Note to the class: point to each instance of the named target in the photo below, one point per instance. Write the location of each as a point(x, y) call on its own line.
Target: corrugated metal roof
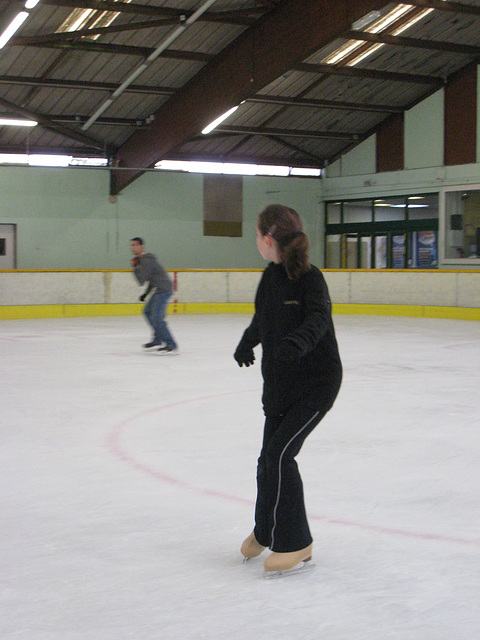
point(59, 76)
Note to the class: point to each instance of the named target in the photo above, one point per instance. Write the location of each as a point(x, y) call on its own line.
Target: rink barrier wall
point(73, 293)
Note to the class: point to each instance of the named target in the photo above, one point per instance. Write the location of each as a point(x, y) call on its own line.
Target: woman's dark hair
point(285, 226)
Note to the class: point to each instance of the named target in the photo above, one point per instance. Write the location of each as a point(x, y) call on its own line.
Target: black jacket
point(293, 322)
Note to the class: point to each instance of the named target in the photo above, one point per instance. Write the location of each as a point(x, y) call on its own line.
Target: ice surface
point(128, 481)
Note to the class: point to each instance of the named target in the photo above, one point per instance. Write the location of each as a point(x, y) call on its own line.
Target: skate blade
point(299, 568)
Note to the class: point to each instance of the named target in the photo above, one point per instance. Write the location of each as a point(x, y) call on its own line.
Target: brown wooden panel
point(460, 118)
point(390, 144)
point(222, 228)
point(222, 205)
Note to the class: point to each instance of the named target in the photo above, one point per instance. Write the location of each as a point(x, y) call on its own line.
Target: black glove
point(142, 297)
point(135, 262)
point(244, 356)
point(287, 351)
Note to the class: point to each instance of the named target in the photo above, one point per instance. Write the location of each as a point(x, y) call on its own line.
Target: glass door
point(381, 251)
point(351, 251)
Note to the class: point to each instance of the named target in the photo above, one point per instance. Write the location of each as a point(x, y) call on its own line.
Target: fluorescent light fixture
point(401, 206)
point(299, 171)
point(364, 22)
point(216, 122)
point(31, 3)
point(270, 170)
point(13, 158)
point(412, 21)
point(365, 54)
point(171, 165)
point(377, 27)
point(231, 168)
point(228, 168)
point(14, 122)
point(343, 51)
point(395, 32)
point(88, 162)
point(41, 160)
point(75, 21)
point(13, 27)
point(399, 11)
point(51, 160)
point(204, 167)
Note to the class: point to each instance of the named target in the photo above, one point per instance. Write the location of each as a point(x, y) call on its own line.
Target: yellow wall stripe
point(88, 310)
point(415, 311)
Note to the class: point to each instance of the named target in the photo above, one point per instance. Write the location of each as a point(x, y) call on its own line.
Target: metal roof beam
point(48, 83)
point(53, 83)
point(248, 64)
point(101, 47)
point(235, 16)
point(416, 43)
point(319, 162)
point(288, 133)
point(324, 104)
point(65, 150)
point(69, 36)
point(374, 74)
point(72, 36)
point(444, 5)
point(47, 123)
point(104, 121)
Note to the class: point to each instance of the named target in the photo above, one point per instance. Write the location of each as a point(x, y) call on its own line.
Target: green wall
point(423, 133)
point(354, 174)
point(65, 219)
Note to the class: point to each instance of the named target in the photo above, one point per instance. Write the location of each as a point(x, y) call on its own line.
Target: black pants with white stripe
point(280, 517)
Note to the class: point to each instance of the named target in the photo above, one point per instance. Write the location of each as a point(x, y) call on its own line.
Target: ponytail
point(285, 226)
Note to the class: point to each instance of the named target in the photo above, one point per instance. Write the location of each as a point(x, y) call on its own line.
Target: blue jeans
point(155, 311)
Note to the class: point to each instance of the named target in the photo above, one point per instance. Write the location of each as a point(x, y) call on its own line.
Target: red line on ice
point(117, 450)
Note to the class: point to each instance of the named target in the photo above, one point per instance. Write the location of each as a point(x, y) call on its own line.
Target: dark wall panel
point(461, 118)
point(390, 144)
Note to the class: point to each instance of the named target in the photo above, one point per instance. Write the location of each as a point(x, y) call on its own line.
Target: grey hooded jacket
point(149, 270)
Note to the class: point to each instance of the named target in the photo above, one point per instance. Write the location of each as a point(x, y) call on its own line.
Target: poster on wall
point(427, 250)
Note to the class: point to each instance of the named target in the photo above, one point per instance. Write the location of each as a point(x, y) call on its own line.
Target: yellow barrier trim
point(259, 270)
point(89, 310)
point(415, 311)
point(27, 312)
point(219, 307)
point(474, 269)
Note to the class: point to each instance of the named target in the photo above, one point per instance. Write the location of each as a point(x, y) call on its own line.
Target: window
point(394, 232)
point(462, 224)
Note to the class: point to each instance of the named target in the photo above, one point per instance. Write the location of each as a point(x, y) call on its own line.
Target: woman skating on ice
point(302, 373)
